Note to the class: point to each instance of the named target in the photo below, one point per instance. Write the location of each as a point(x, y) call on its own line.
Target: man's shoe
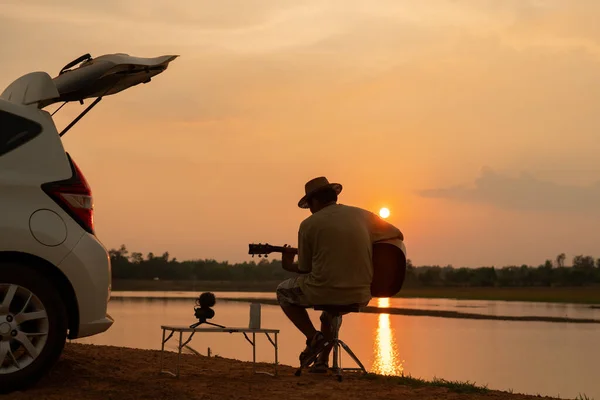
point(319, 367)
point(313, 346)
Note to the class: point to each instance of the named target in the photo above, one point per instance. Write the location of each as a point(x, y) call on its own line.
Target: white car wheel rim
point(23, 328)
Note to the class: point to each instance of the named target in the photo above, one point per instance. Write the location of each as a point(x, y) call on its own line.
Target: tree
point(119, 255)
point(484, 276)
point(560, 260)
point(432, 276)
point(585, 271)
point(137, 258)
point(264, 262)
point(544, 274)
point(583, 262)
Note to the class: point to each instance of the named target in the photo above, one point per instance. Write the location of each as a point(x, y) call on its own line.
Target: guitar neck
point(281, 249)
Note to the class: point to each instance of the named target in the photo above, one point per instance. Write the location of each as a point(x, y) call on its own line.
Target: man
point(335, 246)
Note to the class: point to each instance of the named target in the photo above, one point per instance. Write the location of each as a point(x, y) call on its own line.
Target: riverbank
point(444, 313)
point(580, 295)
point(391, 310)
point(87, 372)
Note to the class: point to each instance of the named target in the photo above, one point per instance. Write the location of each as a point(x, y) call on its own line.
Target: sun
point(384, 212)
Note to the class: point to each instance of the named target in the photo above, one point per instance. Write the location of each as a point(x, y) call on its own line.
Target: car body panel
point(107, 75)
point(32, 88)
point(22, 171)
point(80, 257)
point(95, 77)
point(88, 269)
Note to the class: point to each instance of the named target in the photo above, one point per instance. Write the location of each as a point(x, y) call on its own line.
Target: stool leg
point(337, 354)
point(354, 357)
point(337, 367)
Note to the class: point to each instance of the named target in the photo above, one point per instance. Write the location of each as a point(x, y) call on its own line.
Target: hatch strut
point(58, 109)
point(80, 115)
point(87, 109)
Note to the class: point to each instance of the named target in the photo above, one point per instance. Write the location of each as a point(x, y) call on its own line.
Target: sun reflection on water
point(386, 352)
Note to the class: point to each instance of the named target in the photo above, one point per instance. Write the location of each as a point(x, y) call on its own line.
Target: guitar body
point(389, 268)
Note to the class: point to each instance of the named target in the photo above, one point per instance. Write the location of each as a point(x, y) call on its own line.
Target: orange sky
point(475, 122)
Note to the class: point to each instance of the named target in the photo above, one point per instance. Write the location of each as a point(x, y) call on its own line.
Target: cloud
point(523, 193)
point(236, 26)
point(270, 25)
point(204, 14)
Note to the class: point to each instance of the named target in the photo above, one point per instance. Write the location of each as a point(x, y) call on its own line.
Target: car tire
point(30, 294)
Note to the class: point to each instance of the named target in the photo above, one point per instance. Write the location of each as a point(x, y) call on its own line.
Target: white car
point(55, 275)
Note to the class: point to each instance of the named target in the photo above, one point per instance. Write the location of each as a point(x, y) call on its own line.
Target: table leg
point(179, 353)
point(253, 352)
point(276, 354)
point(276, 349)
point(162, 350)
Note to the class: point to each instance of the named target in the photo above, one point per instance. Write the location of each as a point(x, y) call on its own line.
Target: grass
point(581, 295)
point(455, 386)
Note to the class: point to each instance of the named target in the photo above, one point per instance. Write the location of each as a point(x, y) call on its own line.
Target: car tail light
point(74, 195)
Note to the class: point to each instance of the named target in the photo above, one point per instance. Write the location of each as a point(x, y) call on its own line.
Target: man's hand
point(287, 260)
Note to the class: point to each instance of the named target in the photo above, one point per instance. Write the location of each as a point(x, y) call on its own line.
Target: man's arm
point(289, 265)
point(304, 265)
point(292, 267)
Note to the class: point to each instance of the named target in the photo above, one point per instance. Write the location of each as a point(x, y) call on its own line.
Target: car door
point(86, 77)
point(107, 75)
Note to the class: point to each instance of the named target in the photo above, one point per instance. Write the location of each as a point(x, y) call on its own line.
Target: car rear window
point(15, 131)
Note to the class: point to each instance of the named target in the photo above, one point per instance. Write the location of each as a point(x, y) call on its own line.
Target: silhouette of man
point(335, 267)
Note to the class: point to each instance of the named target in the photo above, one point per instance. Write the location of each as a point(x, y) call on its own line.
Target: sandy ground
point(107, 373)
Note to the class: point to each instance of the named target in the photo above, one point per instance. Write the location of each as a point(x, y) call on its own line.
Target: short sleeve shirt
point(335, 247)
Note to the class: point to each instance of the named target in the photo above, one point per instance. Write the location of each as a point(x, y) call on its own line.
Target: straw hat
point(315, 185)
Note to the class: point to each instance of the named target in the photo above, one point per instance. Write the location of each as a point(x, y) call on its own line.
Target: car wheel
point(33, 326)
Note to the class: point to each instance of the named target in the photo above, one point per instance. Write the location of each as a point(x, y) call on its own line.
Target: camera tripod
point(205, 322)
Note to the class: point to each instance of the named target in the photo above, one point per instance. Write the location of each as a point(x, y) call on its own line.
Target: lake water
point(555, 359)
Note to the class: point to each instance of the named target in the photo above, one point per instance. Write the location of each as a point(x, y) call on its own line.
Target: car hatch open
point(84, 78)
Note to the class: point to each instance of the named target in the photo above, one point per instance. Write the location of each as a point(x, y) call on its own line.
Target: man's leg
point(327, 329)
point(299, 317)
point(290, 299)
point(294, 304)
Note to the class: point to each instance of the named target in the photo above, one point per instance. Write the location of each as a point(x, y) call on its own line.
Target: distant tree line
point(584, 270)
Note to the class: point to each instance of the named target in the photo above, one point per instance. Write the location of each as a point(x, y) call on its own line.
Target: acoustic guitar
point(389, 264)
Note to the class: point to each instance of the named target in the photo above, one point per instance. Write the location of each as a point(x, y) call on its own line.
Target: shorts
point(290, 293)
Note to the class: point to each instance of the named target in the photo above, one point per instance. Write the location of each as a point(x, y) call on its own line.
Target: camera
point(203, 310)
